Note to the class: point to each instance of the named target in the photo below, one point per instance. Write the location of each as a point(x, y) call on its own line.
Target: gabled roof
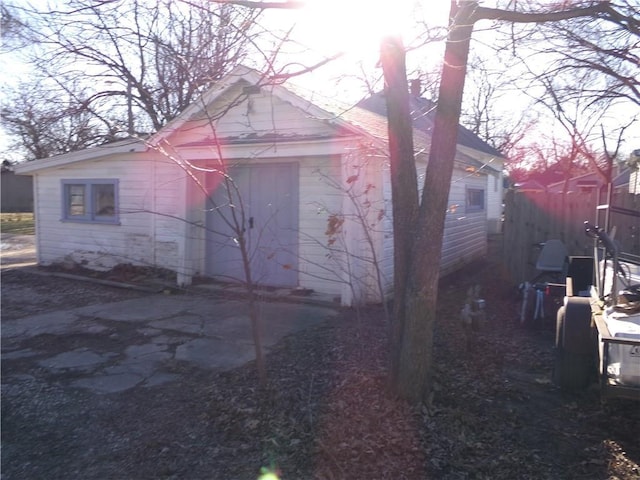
point(423, 114)
point(247, 77)
point(375, 125)
point(92, 153)
point(347, 120)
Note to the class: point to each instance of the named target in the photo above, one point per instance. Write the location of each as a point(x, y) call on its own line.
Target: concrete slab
point(109, 383)
point(208, 332)
point(170, 340)
point(216, 308)
point(142, 359)
point(214, 353)
point(238, 326)
point(56, 323)
point(139, 309)
point(185, 323)
point(145, 351)
point(79, 359)
point(24, 353)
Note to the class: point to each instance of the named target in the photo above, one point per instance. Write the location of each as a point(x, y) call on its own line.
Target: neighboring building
point(591, 181)
point(309, 173)
point(16, 190)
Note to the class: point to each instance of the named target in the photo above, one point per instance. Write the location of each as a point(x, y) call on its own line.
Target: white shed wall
point(253, 118)
point(145, 235)
point(156, 196)
point(465, 233)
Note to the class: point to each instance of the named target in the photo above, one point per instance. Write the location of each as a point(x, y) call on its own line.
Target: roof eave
point(93, 153)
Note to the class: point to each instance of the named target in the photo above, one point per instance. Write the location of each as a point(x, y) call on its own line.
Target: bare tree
point(489, 86)
point(43, 124)
point(133, 65)
point(227, 204)
point(419, 223)
point(420, 234)
point(603, 61)
point(582, 123)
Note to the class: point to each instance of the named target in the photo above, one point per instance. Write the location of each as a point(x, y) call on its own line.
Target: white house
point(296, 179)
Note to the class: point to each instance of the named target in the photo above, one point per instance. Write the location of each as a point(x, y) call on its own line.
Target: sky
point(355, 27)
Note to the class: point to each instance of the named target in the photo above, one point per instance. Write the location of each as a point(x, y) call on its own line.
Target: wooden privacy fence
point(534, 217)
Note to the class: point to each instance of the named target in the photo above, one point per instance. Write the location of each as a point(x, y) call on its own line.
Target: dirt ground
point(326, 413)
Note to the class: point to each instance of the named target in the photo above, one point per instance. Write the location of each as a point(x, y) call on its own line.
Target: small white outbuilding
point(303, 181)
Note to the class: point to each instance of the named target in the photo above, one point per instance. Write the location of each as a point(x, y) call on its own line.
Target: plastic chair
point(552, 266)
point(553, 259)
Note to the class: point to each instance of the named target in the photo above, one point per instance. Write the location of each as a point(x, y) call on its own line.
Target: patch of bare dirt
point(327, 413)
point(32, 291)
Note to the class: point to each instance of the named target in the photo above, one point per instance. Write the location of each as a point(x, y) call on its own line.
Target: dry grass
point(17, 223)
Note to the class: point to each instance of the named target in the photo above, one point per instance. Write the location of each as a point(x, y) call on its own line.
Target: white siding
point(255, 116)
point(162, 209)
point(145, 234)
point(493, 169)
point(634, 182)
point(321, 265)
point(465, 234)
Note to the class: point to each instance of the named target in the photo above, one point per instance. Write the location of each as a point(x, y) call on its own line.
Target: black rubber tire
point(577, 333)
point(571, 371)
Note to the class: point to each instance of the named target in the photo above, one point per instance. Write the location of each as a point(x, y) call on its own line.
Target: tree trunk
point(412, 348)
point(404, 181)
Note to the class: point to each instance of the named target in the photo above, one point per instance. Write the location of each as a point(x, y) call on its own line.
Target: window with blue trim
point(90, 200)
point(475, 199)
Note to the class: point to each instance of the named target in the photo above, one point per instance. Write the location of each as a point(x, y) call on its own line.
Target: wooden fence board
point(532, 218)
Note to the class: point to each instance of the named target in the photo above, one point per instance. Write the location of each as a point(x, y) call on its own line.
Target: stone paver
point(206, 332)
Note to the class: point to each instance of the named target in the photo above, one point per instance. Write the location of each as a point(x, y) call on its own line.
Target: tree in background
point(418, 222)
point(602, 62)
point(47, 125)
point(126, 67)
point(578, 73)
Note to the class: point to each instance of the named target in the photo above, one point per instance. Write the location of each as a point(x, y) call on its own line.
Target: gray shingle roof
point(369, 115)
point(423, 114)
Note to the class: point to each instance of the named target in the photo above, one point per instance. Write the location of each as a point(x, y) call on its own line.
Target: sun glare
point(351, 26)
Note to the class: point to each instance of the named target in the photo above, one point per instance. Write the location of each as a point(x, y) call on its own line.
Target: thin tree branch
point(285, 5)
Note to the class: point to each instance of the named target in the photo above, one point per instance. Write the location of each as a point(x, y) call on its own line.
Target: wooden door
point(264, 200)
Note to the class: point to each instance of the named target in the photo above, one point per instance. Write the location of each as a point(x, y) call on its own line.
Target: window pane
point(75, 198)
point(475, 199)
point(104, 200)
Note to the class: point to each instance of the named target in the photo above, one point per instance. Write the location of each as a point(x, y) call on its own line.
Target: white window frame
point(89, 201)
